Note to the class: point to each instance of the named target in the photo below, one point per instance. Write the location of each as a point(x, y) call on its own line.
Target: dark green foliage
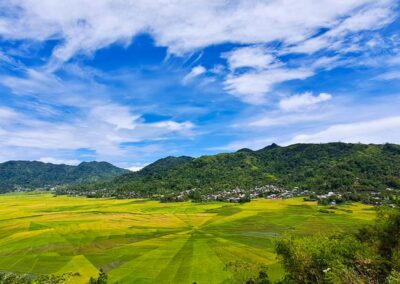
point(156, 169)
point(372, 255)
point(26, 174)
point(20, 278)
point(101, 279)
point(14, 278)
point(262, 278)
point(350, 168)
point(245, 199)
point(165, 164)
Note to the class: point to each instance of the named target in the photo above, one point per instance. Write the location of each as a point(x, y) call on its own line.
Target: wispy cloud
point(58, 161)
point(262, 71)
point(378, 131)
point(183, 26)
point(187, 71)
point(301, 101)
point(257, 57)
point(368, 17)
point(196, 71)
point(253, 86)
point(341, 120)
point(103, 134)
point(391, 75)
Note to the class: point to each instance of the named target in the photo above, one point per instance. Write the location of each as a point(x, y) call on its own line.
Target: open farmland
point(142, 241)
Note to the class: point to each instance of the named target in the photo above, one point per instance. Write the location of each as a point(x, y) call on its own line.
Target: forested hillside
point(318, 167)
point(370, 255)
point(26, 174)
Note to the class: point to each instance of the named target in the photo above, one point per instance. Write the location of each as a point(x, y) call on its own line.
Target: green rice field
point(143, 241)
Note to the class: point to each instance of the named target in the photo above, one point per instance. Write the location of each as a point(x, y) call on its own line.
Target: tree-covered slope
point(33, 174)
point(156, 169)
point(332, 166)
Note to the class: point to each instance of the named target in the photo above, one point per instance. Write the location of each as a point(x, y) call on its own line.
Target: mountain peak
point(244, 150)
point(270, 147)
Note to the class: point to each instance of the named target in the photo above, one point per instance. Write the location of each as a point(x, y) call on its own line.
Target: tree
point(372, 255)
point(101, 279)
point(262, 277)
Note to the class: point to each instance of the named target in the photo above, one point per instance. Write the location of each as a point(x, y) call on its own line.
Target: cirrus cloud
point(378, 131)
point(196, 71)
point(301, 101)
point(85, 26)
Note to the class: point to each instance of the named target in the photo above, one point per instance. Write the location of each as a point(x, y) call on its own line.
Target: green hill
point(319, 167)
point(32, 174)
point(157, 169)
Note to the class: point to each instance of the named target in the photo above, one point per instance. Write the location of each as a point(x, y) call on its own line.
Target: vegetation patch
point(148, 241)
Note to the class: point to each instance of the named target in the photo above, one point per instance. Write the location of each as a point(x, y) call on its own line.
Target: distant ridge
point(244, 150)
point(16, 175)
point(321, 167)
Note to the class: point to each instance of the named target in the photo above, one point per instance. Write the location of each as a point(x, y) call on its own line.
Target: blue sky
point(131, 82)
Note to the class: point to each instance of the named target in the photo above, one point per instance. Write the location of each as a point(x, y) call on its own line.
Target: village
point(240, 195)
point(237, 195)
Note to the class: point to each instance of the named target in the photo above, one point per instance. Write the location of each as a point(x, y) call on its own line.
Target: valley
point(145, 241)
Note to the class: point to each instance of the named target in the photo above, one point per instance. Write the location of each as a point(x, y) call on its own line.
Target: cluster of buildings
point(388, 197)
point(240, 195)
point(98, 193)
point(237, 195)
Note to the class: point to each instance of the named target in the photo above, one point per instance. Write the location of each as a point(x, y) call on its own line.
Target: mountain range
point(16, 175)
point(320, 167)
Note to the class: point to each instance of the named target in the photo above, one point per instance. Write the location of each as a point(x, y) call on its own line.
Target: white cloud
point(264, 72)
point(392, 75)
point(252, 87)
point(103, 134)
point(183, 27)
point(196, 71)
point(7, 113)
point(372, 131)
point(85, 26)
point(301, 101)
point(256, 57)
point(348, 120)
point(59, 161)
point(48, 87)
point(118, 116)
point(173, 125)
point(372, 16)
point(76, 113)
point(136, 167)
point(341, 110)
point(33, 82)
point(326, 62)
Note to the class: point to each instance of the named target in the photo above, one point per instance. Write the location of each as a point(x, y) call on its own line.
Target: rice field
point(143, 241)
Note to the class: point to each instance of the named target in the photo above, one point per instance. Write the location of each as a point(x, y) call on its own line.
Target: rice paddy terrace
point(143, 241)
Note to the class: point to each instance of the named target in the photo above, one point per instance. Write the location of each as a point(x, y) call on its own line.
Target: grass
point(142, 241)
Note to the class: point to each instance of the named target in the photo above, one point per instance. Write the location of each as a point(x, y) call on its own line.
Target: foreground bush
point(372, 255)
